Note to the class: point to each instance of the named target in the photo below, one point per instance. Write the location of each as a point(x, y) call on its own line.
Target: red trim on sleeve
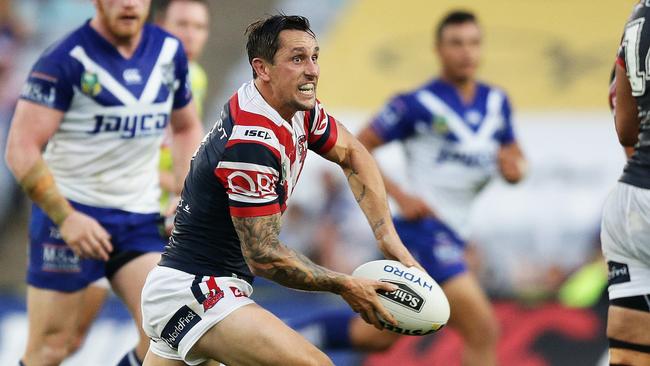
point(621, 62)
point(331, 139)
point(254, 211)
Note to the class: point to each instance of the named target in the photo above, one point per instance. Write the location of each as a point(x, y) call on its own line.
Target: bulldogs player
point(625, 229)
point(97, 102)
point(196, 303)
point(457, 134)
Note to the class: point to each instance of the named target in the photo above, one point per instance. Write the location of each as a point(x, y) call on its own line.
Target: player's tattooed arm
point(365, 181)
point(269, 258)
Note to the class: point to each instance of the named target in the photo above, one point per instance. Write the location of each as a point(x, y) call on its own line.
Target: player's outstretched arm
point(267, 257)
point(187, 133)
point(367, 185)
point(627, 118)
point(31, 128)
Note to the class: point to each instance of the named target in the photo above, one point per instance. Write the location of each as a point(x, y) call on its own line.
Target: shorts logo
point(403, 296)
point(618, 273)
point(215, 295)
point(207, 298)
point(178, 326)
point(237, 292)
point(60, 258)
point(55, 233)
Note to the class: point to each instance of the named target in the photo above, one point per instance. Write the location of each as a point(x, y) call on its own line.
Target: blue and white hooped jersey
point(451, 146)
point(105, 152)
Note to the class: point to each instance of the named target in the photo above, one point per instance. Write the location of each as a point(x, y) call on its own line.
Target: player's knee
point(76, 343)
point(484, 333)
point(54, 350)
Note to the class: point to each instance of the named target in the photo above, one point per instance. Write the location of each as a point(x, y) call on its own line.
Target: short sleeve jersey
point(633, 55)
point(247, 166)
point(105, 151)
point(451, 145)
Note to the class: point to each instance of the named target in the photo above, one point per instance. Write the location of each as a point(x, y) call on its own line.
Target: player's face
point(459, 50)
point(188, 20)
point(294, 73)
point(123, 18)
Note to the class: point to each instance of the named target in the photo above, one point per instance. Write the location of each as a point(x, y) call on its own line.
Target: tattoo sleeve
point(39, 185)
point(269, 258)
point(367, 186)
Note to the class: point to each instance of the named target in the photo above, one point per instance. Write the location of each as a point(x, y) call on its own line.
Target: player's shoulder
point(640, 10)
point(158, 35)
point(156, 32)
point(59, 51)
point(488, 88)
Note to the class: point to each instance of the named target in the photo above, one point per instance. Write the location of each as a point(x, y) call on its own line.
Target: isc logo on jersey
point(130, 126)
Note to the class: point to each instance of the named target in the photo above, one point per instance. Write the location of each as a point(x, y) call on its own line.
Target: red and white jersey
point(247, 165)
point(265, 154)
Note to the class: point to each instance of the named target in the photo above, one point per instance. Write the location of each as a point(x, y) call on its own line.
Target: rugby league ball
point(419, 305)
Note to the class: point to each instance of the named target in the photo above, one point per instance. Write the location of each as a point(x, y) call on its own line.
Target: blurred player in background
point(625, 229)
point(189, 20)
point(196, 303)
point(98, 102)
point(457, 133)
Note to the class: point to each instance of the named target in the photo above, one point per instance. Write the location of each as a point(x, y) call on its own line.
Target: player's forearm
point(269, 258)
point(367, 185)
point(38, 183)
point(184, 143)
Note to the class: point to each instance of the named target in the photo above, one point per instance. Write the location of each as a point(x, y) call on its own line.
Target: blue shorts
point(53, 265)
point(438, 248)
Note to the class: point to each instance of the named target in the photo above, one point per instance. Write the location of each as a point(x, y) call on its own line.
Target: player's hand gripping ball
point(419, 305)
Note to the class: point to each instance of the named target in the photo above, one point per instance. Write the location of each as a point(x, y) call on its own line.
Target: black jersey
point(634, 56)
point(247, 165)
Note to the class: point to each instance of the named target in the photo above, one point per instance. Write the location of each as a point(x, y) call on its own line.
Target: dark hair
point(453, 18)
point(263, 35)
point(160, 7)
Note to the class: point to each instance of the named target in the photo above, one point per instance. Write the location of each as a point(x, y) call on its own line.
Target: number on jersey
point(631, 40)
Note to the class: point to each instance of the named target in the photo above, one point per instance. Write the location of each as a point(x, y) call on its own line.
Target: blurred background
point(535, 246)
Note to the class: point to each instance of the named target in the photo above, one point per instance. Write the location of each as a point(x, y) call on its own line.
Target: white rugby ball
point(419, 305)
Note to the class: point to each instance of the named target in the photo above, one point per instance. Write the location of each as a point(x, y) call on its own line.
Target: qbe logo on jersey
point(403, 296)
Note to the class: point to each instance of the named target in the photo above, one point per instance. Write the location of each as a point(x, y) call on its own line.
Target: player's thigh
point(53, 316)
point(129, 279)
point(471, 311)
point(93, 300)
point(251, 335)
point(627, 330)
point(151, 359)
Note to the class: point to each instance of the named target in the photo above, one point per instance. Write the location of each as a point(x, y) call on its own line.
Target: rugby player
point(196, 303)
point(625, 229)
point(97, 102)
point(188, 20)
point(457, 133)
